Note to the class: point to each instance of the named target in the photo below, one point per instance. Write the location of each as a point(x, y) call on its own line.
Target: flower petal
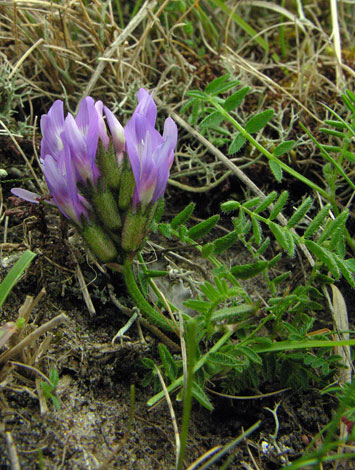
point(52, 125)
point(26, 195)
point(102, 126)
point(117, 132)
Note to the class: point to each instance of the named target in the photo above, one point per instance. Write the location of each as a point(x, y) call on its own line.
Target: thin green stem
point(154, 317)
point(191, 337)
point(265, 152)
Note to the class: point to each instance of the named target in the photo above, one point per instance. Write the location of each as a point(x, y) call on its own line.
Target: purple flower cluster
point(70, 146)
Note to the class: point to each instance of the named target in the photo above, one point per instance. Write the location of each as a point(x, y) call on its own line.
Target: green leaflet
point(223, 243)
point(236, 99)
point(279, 205)
point(220, 85)
point(237, 143)
point(212, 120)
point(183, 216)
point(224, 360)
point(203, 228)
point(232, 313)
point(325, 256)
point(276, 169)
point(317, 221)
point(168, 362)
point(336, 225)
point(284, 147)
point(300, 213)
point(250, 354)
point(256, 123)
point(270, 198)
point(246, 271)
point(280, 235)
point(199, 395)
point(257, 232)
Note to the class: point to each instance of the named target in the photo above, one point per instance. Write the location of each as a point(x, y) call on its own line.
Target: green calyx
point(109, 167)
point(134, 231)
point(106, 209)
point(99, 242)
point(126, 189)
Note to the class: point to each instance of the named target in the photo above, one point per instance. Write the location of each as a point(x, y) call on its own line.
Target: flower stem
point(144, 306)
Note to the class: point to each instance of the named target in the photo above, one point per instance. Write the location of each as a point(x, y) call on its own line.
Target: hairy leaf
point(256, 123)
point(236, 99)
point(257, 232)
point(279, 205)
point(270, 198)
point(284, 147)
point(168, 361)
point(317, 221)
point(236, 144)
point(300, 213)
point(279, 234)
point(276, 169)
point(183, 216)
point(212, 120)
point(325, 256)
point(223, 243)
point(199, 395)
point(246, 271)
point(232, 313)
point(203, 228)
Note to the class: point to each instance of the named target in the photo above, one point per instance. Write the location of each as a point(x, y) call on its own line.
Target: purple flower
point(68, 150)
point(150, 153)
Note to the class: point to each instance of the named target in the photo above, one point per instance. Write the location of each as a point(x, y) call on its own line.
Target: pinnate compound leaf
point(300, 213)
point(203, 228)
point(276, 169)
point(236, 99)
point(284, 147)
point(258, 122)
point(183, 216)
point(325, 256)
point(212, 120)
point(246, 271)
point(237, 143)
